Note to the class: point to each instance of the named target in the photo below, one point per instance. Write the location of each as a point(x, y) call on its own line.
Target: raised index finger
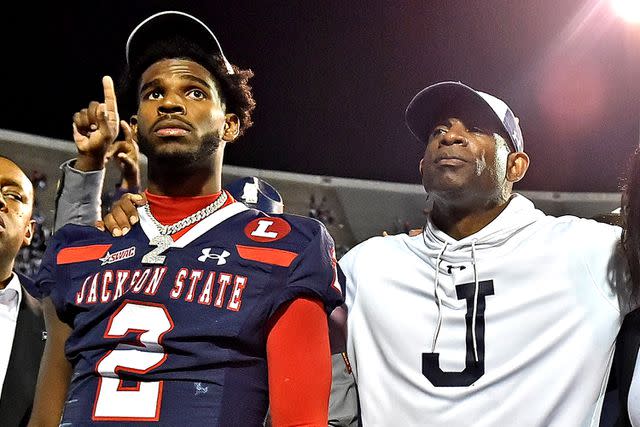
point(109, 95)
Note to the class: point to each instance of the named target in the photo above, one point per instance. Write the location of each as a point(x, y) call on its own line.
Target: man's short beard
point(180, 159)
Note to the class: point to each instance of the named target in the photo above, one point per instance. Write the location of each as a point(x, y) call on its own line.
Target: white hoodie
point(539, 294)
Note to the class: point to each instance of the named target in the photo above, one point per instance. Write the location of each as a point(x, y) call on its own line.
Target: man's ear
point(231, 127)
point(28, 233)
point(420, 166)
point(517, 165)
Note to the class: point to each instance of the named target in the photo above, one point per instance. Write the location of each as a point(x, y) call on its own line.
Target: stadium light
point(629, 10)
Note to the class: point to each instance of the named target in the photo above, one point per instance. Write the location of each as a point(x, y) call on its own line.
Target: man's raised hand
point(95, 128)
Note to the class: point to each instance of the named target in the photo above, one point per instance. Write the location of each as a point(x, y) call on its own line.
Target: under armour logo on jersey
point(206, 254)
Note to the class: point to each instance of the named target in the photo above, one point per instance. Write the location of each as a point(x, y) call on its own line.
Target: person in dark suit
point(22, 327)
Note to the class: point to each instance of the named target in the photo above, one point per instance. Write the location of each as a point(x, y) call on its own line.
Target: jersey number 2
point(139, 401)
point(473, 369)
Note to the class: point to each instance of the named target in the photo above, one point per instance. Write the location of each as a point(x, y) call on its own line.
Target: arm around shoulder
point(78, 199)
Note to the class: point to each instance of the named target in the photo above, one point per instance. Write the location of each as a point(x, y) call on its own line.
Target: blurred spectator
point(613, 218)
point(28, 259)
point(38, 179)
point(320, 211)
point(341, 250)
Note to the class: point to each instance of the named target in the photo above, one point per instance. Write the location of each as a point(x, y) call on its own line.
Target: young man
point(22, 335)
point(205, 311)
point(495, 314)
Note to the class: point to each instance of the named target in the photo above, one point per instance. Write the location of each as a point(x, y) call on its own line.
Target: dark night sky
point(332, 78)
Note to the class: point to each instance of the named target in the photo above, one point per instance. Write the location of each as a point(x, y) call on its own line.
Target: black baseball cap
point(158, 26)
point(447, 99)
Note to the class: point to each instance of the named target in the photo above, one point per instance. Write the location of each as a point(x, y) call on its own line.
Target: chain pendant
point(162, 242)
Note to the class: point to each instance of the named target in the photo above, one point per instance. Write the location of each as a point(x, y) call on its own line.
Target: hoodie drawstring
point(439, 304)
point(475, 299)
point(437, 298)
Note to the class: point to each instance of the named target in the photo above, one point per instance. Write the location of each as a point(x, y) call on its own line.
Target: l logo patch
point(267, 229)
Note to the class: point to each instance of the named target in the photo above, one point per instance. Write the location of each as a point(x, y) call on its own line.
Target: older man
point(496, 314)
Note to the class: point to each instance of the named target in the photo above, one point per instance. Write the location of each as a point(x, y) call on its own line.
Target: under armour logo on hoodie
point(450, 267)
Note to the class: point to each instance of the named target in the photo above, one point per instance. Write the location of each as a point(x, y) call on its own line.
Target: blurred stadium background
point(352, 209)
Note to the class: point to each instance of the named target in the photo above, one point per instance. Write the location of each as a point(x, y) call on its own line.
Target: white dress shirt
point(10, 298)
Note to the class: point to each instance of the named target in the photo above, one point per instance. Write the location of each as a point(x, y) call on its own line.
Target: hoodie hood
point(519, 213)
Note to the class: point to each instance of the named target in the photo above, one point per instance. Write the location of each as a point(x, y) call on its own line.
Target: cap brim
point(441, 101)
point(163, 24)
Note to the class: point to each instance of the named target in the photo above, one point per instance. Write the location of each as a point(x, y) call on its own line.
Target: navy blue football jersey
point(182, 342)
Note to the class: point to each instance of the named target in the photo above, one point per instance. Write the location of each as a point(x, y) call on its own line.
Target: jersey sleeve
point(312, 274)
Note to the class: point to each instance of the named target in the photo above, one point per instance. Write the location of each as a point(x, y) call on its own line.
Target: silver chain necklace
point(163, 241)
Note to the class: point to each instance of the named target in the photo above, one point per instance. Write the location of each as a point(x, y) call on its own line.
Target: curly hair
point(234, 88)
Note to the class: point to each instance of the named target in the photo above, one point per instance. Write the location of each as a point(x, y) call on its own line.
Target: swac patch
point(81, 254)
point(118, 256)
point(267, 229)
